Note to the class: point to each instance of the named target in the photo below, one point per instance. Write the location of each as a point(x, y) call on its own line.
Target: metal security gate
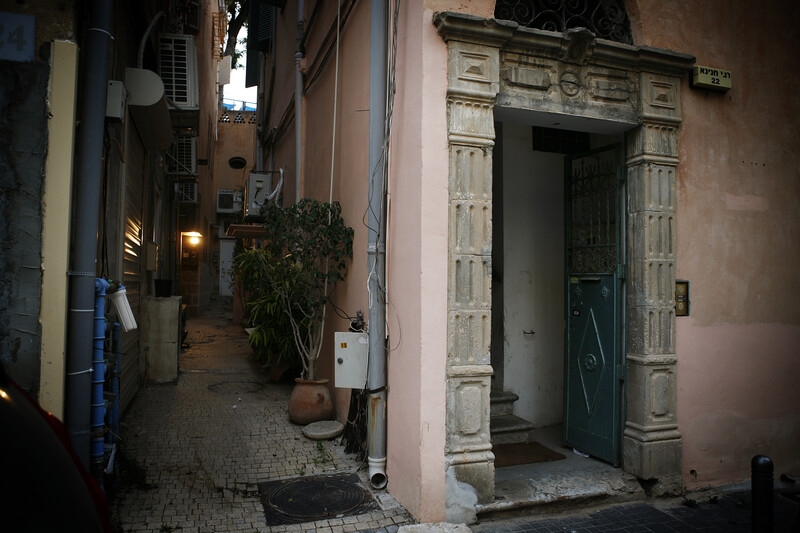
point(132, 370)
point(593, 368)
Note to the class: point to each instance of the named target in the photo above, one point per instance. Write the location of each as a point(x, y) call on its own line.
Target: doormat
point(522, 453)
point(307, 499)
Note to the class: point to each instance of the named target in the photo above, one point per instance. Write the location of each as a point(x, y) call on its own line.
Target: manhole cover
point(293, 501)
point(235, 387)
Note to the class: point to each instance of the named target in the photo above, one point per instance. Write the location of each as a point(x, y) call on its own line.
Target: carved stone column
point(473, 81)
point(652, 443)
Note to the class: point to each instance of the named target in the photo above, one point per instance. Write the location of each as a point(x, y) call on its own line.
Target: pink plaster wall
point(738, 234)
point(418, 269)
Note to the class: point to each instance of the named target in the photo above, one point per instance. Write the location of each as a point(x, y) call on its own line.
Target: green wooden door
point(593, 368)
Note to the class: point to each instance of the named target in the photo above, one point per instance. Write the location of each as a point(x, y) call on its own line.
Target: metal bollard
point(762, 494)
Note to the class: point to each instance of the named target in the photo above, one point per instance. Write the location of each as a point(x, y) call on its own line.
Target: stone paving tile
point(201, 446)
point(728, 513)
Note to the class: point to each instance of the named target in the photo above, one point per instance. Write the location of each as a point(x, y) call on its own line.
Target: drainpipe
point(86, 197)
point(298, 101)
point(376, 247)
point(98, 379)
point(143, 42)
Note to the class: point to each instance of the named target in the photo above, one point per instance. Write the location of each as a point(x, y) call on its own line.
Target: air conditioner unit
point(257, 187)
point(182, 156)
point(187, 192)
point(228, 201)
point(177, 65)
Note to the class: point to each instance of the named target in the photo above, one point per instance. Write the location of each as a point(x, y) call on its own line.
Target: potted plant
point(305, 254)
point(271, 333)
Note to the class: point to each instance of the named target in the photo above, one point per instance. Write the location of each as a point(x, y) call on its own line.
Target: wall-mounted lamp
point(194, 237)
point(189, 258)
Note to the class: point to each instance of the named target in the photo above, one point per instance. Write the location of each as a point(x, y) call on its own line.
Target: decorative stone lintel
point(501, 33)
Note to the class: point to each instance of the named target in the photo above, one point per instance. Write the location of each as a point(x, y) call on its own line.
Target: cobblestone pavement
point(194, 451)
point(728, 512)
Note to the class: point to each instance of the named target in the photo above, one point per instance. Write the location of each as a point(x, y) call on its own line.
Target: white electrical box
point(351, 353)
point(115, 100)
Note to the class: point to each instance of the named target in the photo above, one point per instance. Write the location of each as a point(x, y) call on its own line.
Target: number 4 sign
point(17, 36)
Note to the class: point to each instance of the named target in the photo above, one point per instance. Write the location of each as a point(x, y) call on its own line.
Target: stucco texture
point(23, 147)
point(738, 234)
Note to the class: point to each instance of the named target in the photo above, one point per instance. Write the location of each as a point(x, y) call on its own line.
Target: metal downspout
point(298, 101)
point(376, 247)
point(86, 197)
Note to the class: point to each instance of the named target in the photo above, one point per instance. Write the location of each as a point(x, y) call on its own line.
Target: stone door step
point(509, 428)
point(550, 492)
point(502, 402)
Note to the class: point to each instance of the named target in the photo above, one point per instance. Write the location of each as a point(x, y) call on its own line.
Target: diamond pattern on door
point(591, 362)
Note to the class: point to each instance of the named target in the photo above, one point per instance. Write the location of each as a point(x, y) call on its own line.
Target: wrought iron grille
point(592, 244)
point(607, 19)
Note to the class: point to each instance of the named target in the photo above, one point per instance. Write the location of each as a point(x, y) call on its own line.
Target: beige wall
point(349, 180)
point(196, 287)
point(233, 140)
point(738, 234)
point(56, 222)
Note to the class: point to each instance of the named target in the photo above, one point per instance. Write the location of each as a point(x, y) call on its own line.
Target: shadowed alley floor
point(195, 450)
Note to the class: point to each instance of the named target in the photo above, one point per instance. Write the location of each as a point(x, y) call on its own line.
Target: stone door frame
point(498, 63)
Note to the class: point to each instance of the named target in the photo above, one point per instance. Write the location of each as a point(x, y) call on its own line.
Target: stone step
point(509, 428)
point(548, 490)
point(502, 402)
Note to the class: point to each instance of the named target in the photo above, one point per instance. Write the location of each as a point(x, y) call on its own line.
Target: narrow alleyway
point(194, 452)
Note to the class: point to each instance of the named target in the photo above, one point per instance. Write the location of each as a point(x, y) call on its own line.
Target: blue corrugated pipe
point(112, 418)
point(98, 402)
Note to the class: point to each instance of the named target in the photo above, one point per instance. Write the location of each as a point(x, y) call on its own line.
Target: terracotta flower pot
point(310, 401)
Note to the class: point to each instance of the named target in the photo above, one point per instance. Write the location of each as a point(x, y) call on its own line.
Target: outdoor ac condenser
point(182, 156)
point(228, 201)
point(258, 186)
point(177, 66)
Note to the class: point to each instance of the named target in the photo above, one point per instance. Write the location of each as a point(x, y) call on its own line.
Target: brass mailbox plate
point(681, 297)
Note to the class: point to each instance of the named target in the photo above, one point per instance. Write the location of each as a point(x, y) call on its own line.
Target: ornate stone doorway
point(563, 76)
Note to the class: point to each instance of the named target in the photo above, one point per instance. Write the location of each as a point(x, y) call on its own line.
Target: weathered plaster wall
point(533, 222)
point(23, 148)
point(197, 287)
point(281, 112)
point(417, 274)
point(738, 234)
point(233, 140)
point(349, 180)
